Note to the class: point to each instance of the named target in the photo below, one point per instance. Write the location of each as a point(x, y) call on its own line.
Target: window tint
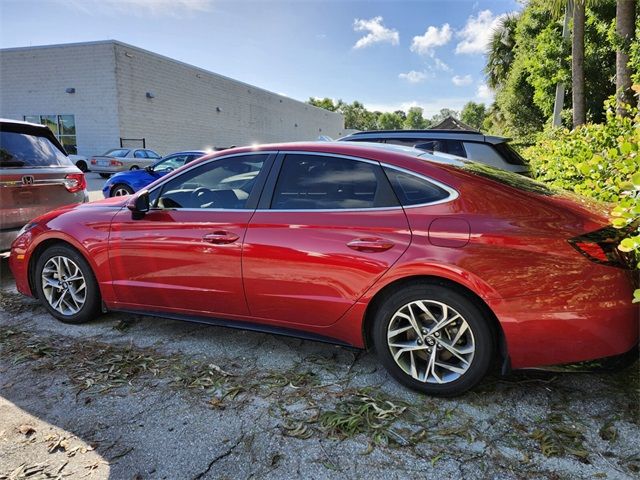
point(324, 182)
point(139, 154)
point(151, 154)
point(509, 154)
point(454, 147)
point(225, 183)
point(21, 150)
point(413, 190)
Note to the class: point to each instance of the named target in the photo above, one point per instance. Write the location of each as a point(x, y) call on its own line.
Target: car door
point(326, 229)
point(184, 255)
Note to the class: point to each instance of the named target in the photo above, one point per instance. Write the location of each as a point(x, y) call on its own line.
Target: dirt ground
point(133, 397)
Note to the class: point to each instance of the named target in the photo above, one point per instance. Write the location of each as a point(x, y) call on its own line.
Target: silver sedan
point(121, 159)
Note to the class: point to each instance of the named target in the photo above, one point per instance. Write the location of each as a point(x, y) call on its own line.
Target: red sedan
point(443, 266)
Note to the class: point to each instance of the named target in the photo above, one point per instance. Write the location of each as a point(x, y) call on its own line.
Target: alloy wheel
point(431, 341)
point(120, 192)
point(64, 285)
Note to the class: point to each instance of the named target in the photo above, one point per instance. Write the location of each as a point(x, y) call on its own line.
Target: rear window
point(22, 150)
point(511, 179)
point(116, 152)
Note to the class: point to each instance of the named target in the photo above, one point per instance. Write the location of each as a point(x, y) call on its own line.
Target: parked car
point(80, 161)
point(488, 149)
point(442, 266)
point(126, 183)
point(122, 159)
point(35, 176)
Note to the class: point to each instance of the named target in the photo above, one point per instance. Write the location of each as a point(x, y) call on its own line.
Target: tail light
point(75, 182)
point(601, 247)
point(93, 161)
point(115, 163)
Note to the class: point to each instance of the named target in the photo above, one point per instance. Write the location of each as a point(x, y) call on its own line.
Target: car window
point(116, 152)
point(325, 182)
point(21, 150)
point(481, 152)
point(139, 154)
point(170, 163)
point(151, 154)
point(509, 154)
point(225, 183)
point(191, 158)
point(405, 142)
point(454, 147)
point(414, 190)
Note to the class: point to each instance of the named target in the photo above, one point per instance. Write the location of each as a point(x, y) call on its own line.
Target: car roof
point(428, 134)
point(183, 152)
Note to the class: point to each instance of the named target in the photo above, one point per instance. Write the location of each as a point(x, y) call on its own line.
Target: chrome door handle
point(220, 237)
point(370, 244)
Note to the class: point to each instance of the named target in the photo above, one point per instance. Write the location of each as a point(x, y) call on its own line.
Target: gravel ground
point(136, 397)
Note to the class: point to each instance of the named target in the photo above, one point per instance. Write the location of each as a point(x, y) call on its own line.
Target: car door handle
point(220, 237)
point(370, 244)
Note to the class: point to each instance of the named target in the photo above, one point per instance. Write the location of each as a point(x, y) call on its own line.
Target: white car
point(121, 159)
point(80, 161)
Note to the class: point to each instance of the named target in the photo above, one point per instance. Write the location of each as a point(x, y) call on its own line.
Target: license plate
point(103, 163)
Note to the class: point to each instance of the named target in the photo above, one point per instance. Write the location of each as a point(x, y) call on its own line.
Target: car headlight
point(26, 228)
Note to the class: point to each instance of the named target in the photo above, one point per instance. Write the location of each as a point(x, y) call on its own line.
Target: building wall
point(183, 113)
point(33, 81)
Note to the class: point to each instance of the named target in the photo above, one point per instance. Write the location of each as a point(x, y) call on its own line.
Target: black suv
point(494, 151)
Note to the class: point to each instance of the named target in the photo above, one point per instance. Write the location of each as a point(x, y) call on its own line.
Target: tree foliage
point(473, 114)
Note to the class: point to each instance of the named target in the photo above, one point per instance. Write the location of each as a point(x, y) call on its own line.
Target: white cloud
point(174, 8)
point(460, 81)
point(484, 93)
point(440, 65)
point(378, 33)
point(414, 76)
point(477, 32)
point(432, 38)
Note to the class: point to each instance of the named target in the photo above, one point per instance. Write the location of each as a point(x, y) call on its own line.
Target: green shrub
point(601, 161)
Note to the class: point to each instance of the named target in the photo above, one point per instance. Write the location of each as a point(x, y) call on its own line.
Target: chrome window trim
point(453, 194)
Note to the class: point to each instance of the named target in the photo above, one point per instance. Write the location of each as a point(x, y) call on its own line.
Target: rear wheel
point(66, 285)
point(134, 167)
point(433, 339)
point(120, 190)
point(82, 165)
point(105, 175)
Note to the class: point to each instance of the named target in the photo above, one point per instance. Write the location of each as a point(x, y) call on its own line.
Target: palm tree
point(625, 30)
point(500, 52)
point(577, 64)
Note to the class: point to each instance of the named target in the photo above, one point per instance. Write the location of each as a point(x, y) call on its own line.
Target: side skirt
point(241, 325)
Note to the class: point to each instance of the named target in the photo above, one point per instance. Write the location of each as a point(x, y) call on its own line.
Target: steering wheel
point(202, 196)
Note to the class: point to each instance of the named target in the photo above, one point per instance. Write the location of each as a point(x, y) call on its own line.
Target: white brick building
point(95, 94)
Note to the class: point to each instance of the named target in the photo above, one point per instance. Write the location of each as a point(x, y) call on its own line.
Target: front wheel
point(134, 167)
point(66, 285)
point(120, 190)
point(433, 339)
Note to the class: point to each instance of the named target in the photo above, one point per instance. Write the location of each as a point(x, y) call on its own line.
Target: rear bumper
point(570, 327)
point(99, 169)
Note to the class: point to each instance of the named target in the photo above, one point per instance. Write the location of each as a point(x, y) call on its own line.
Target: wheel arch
point(44, 245)
point(379, 297)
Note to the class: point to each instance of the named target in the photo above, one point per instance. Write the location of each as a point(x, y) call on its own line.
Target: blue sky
point(387, 54)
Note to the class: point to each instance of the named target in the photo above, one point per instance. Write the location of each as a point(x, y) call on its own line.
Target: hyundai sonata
point(443, 266)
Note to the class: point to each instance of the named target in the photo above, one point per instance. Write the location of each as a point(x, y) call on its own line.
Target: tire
point(476, 343)
point(105, 175)
point(82, 165)
point(134, 167)
point(79, 304)
point(120, 189)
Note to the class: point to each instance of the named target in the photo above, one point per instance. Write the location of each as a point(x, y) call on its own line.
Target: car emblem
point(27, 180)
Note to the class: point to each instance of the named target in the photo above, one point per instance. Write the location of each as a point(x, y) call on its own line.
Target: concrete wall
point(33, 81)
point(184, 111)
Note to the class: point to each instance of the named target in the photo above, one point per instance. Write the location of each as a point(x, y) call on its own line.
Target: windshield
point(21, 150)
point(116, 152)
point(169, 163)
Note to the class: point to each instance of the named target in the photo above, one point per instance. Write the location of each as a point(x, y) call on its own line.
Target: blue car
point(126, 183)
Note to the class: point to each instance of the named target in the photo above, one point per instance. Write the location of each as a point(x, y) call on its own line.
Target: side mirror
point(139, 205)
